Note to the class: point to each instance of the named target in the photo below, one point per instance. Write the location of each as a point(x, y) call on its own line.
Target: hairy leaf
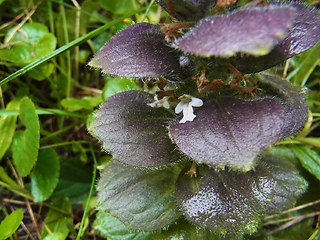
point(45, 175)
point(289, 185)
point(25, 144)
point(304, 33)
point(141, 199)
point(252, 30)
point(133, 132)
point(113, 229)
point(187, 10)
point(225, 201)
point(230, 132)
point(10, 224)
point(293, 100)
point(138, 51)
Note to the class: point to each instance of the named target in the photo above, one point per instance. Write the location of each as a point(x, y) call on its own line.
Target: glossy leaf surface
point(304, 33)
point(225, 201)
point(133, 132)
point(230, 132)
point(142, 199)
point(138, 51)
point(249, 30)
point(289, 185)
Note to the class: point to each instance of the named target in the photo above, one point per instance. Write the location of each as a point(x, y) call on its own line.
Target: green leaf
point(311, 60)
point(41, 72)
point(5, 177)
point(113, 229)
point(45, 175)
point(76, 185)
point(7, 128)
point(25, 144)
point(74, 104)
point(55, 236)
point(57, 222)
point(141, 199)
point(31, 42)
point(119, 6)
point(10, 224)
point(309, 159)
point(117, 85)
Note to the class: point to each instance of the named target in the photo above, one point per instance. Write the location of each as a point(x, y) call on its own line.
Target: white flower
point(164, 102)
point(185, 106)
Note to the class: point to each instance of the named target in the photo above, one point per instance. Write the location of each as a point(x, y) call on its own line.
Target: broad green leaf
point(74, 104)
point(142, 199)
point(25, 144)
point(45, 175)
point(117, 85)
point(7, 128)
point(55, 236)
point(57, 222)
point(30, 43)
point(75, 186)
point(133, 132)
point(119, 6)
point(10, 224)
point(113, 229)
point(309, 159)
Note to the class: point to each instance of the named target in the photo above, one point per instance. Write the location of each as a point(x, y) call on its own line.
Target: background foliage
point(49, 163)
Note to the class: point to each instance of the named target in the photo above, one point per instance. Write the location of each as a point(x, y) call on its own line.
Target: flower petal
point(138, 51)
point(252, 30)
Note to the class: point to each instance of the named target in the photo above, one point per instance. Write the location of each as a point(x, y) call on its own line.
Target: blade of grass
point(95, 164)
point(47, 111)
point(67, 47)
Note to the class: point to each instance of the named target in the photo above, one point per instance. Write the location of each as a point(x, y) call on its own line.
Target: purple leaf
point(141, 199)
point(292, 99)
point(133, 132)
point(252, 30)
point(231, 201)
point(225, 201)
point(138, 51)
point(304, 33)
point(230, 132)
point(290, 185)
point(187, 10)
